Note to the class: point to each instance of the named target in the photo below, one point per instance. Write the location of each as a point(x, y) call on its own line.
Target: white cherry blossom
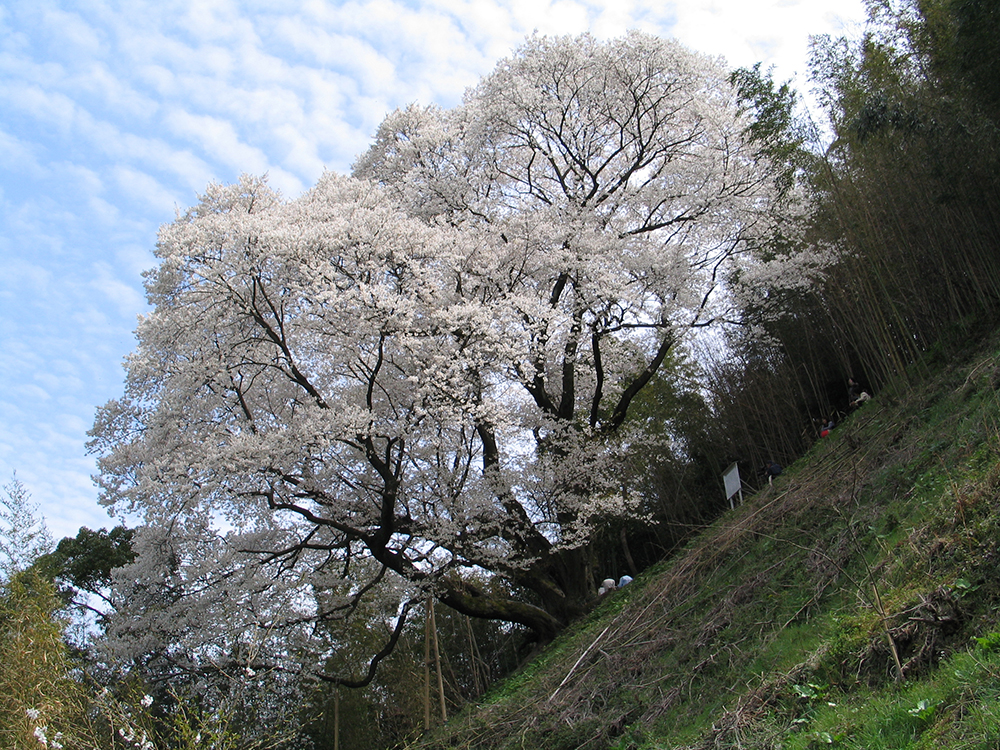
point(425, 369)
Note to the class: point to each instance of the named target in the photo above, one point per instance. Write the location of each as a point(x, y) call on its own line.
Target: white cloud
point(157, 155)
point(55, 109)
point(131, 259)
point(49, 382)
point(142, 187)
point(31, 392)
point(127, 297)
point(22, 273)
point(219, 137)
point(84, 179)
point(160, 78)
point(772, 31)
point(18, 155)
point(63, 490)
point(70, 32)
point(329, 47)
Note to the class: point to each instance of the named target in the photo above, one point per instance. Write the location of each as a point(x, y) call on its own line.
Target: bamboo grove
point(903, 175)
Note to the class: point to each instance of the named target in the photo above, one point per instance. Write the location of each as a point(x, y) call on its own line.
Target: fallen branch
point(573, 668)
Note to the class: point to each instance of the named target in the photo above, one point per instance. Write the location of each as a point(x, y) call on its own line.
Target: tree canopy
point(426, 369)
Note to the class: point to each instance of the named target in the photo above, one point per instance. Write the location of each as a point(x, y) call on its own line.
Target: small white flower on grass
point(40, 735)
point(33, 713)
point(147, 701)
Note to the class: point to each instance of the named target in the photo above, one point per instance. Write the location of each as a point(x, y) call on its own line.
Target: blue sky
point(114, 114)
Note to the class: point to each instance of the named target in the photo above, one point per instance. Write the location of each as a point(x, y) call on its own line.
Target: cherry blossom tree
point(427, 368)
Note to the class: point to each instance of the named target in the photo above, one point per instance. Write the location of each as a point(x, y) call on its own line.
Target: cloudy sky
point(114, 114)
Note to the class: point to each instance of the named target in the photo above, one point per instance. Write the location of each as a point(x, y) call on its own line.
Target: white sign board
point(731, 477)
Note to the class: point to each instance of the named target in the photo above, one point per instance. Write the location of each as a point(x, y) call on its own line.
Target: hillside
point(853, 604)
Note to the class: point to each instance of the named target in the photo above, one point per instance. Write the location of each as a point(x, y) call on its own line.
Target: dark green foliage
point(961, 40)
point(81, 566)
point(775, 128)
point(86, 560)
point(675, 469)
point(977, 42)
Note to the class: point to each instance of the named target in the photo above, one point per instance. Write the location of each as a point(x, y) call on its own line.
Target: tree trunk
point(437, 660)
point(427, 667)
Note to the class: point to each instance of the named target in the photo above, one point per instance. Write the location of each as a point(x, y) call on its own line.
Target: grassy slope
point(782, 625)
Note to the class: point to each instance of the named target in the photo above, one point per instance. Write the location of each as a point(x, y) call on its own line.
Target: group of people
point(856, 396)
point(608, 584)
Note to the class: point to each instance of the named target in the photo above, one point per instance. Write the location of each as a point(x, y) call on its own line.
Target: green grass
point(956, 706)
